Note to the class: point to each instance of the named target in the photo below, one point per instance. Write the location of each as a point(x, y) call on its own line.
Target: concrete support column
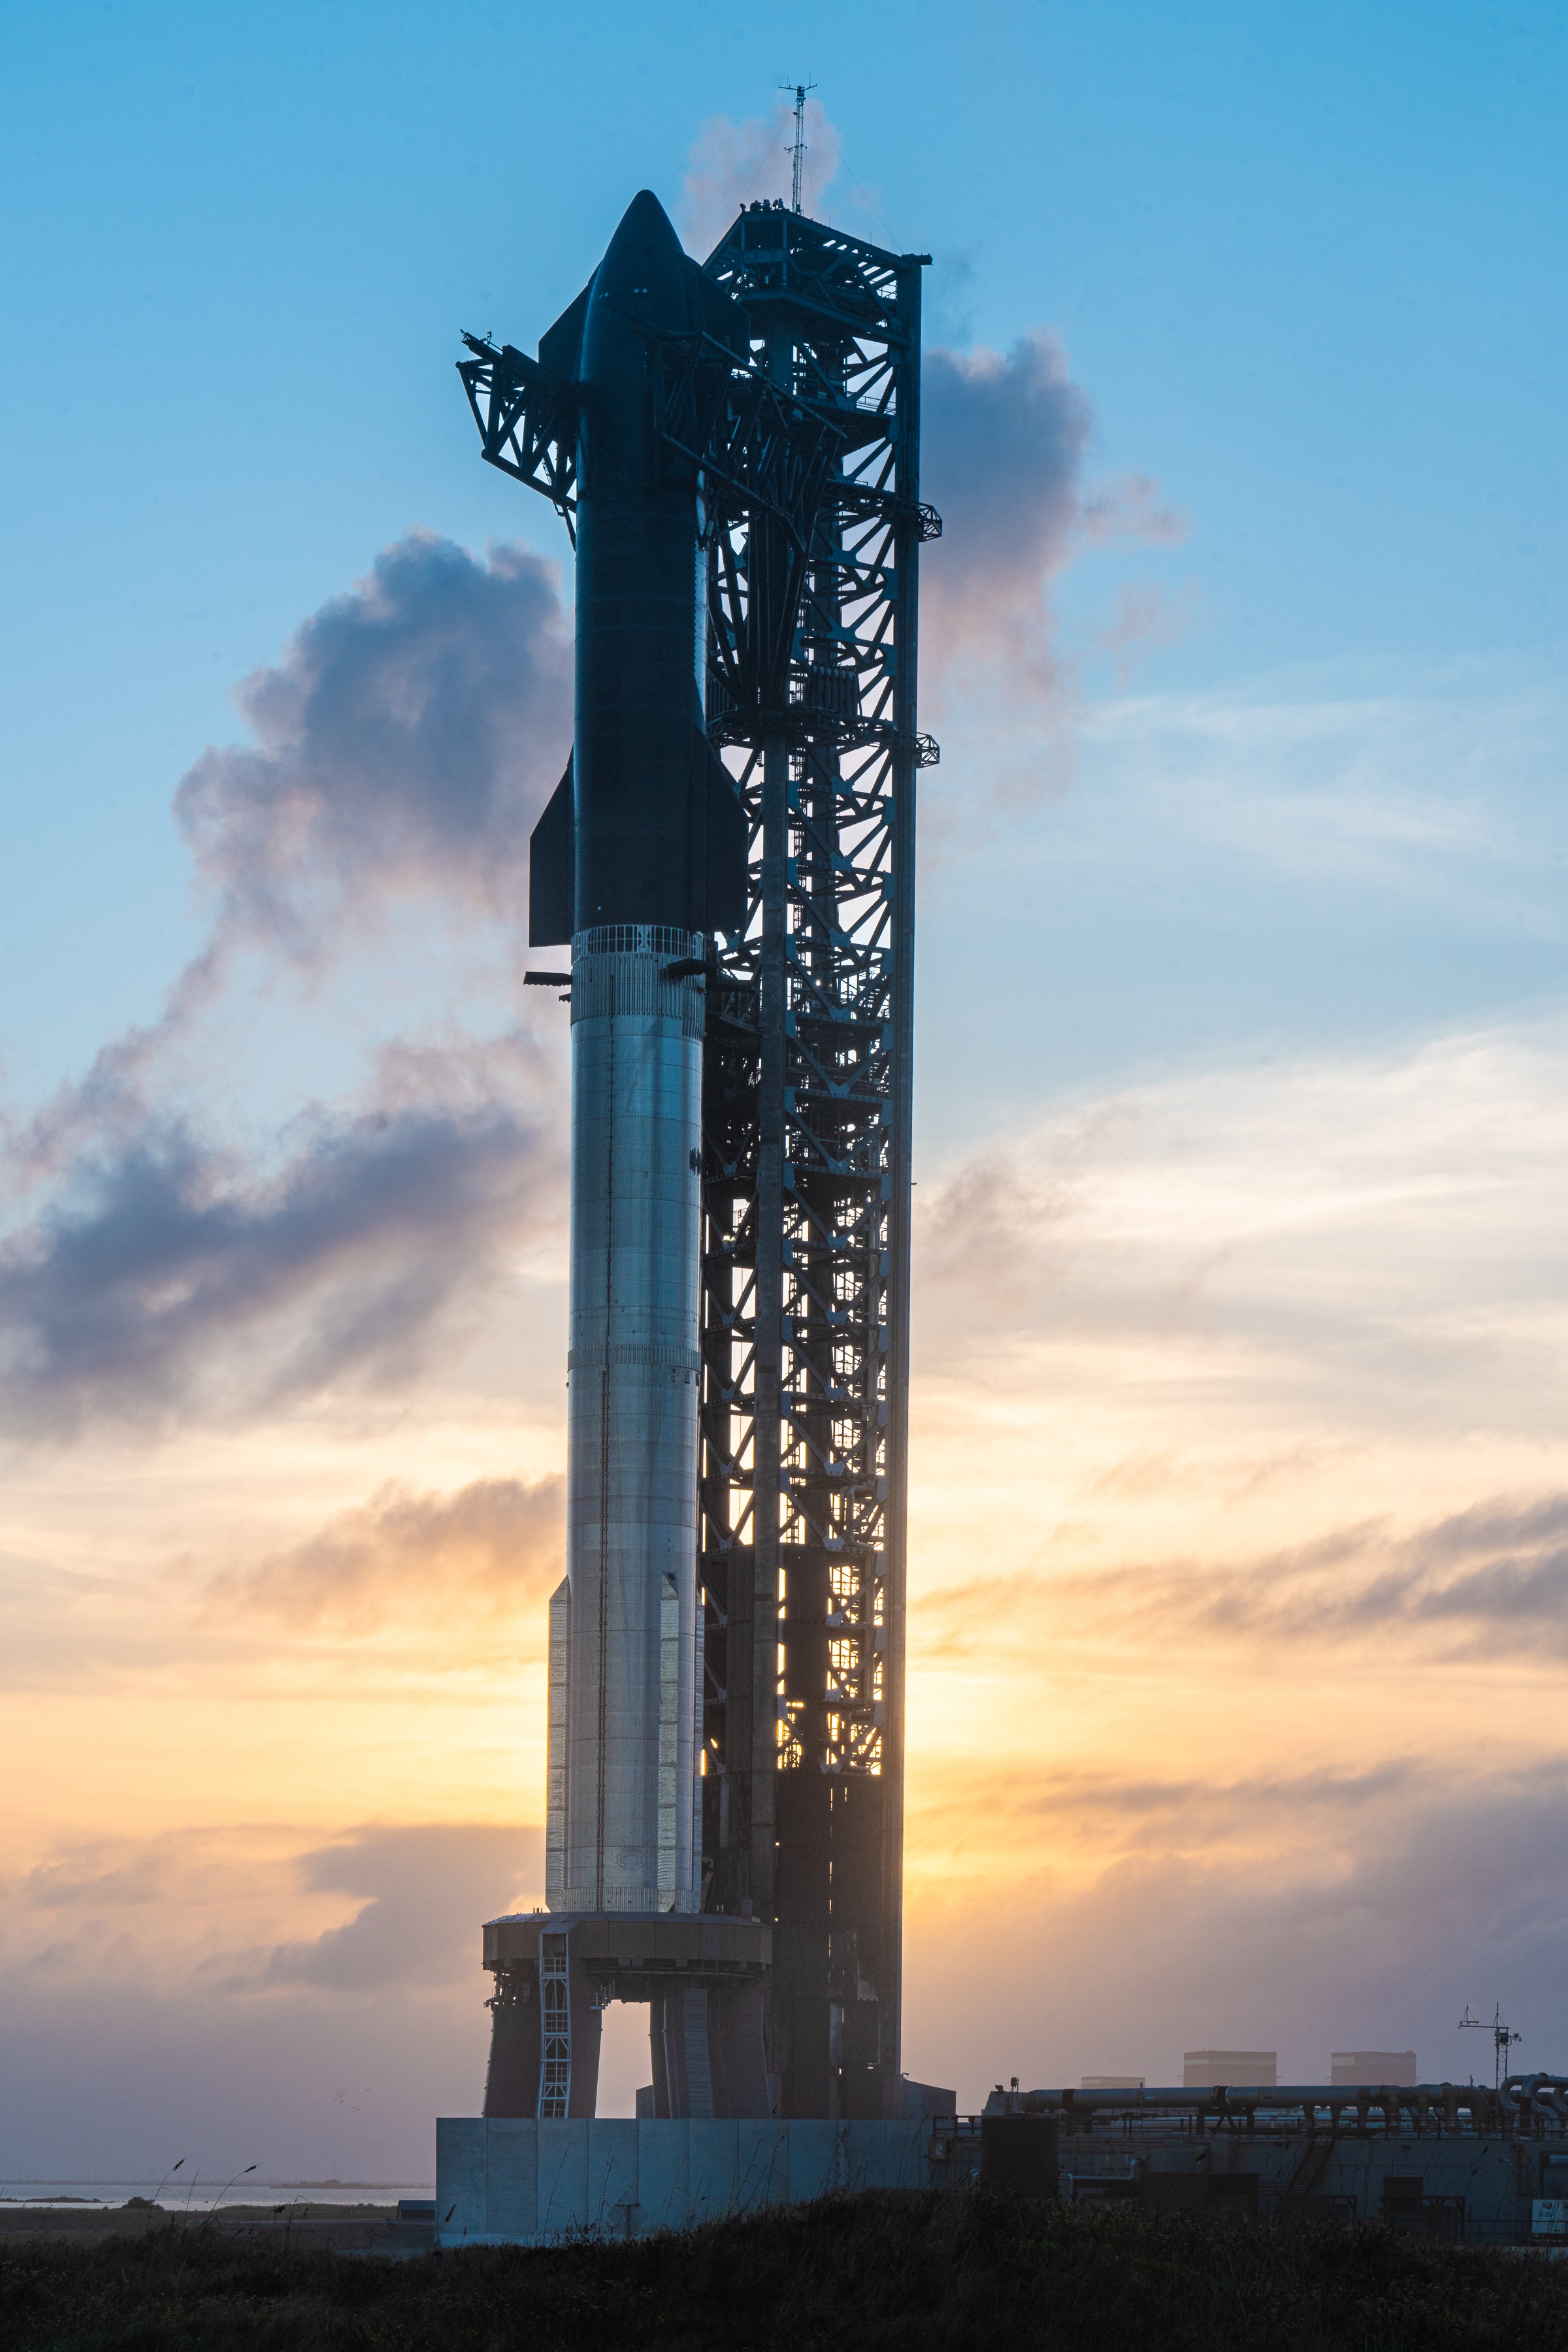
point(511, 2082)
point(707, 2048)
point(736, 2056)
point(681, 2015)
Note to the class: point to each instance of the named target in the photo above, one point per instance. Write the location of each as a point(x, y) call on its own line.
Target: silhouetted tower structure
point(803, 449)
point(812, 654)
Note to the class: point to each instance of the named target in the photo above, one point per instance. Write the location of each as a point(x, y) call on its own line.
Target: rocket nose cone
point(644, 258)
point(643, 275)
point(644, 222)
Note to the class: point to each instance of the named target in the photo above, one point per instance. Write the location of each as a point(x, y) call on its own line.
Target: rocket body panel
point(640, 788)
point(656, 834)
point(634, 1368)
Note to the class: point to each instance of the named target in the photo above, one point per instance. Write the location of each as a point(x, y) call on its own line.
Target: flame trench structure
point(729, 856)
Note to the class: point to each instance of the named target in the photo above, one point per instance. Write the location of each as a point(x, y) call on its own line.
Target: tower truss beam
point(807, 1170)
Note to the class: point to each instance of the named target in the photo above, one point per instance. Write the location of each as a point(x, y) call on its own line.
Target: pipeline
point(1547, 2094)
point(1439, 2103)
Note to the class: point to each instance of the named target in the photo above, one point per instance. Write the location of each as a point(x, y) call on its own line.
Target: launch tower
point(731, 858)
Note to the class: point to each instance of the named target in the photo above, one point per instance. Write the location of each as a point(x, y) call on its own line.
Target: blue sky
point(1240, 1474)
point(1302, 261)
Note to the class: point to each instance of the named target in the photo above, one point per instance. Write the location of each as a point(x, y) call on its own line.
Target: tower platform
point(555, 1973)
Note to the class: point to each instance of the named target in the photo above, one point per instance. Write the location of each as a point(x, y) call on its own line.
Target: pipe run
point(1547, 2094)
point(1439, 2103)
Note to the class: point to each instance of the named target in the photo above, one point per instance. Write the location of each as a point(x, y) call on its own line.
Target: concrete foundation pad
point(564, 2174)
point(514, 2182)
point(513, 2203)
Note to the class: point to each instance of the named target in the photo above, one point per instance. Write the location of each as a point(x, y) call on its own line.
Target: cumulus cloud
point(405, 742)
point(423, 1892)
point(401, 749)
point(732, 164)
point(1005, 447)
point(496, 1539)
point(1006, 441)
point(166, 1273)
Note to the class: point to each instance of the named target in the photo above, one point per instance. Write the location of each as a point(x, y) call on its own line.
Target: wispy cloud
point(496, 1539)
point(1433, 786)
point(414, 1893)
point(303, 2000)
point(405, 743)
point(1338, 1204)
point(1510, 1598)
point(1190, 1815)
point(1351, 1589)
point(1235, 1394)
point(165, 1274)
point(1300, 1915)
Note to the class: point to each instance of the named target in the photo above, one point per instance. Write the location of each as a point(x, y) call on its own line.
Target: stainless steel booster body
point(623, 1830)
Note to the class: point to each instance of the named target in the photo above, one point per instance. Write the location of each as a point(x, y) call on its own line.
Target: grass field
point(879, 2273)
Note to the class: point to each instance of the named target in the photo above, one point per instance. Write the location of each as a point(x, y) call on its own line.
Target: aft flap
point(553, 869)
point(725, 877)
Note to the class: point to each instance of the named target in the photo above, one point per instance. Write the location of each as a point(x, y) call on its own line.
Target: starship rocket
point(637, 862)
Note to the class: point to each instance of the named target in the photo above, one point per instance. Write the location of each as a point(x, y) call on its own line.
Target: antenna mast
point(798, 150)
point(1503, 2038)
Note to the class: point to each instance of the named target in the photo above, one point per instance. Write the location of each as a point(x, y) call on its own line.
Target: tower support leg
point(737, 2057)
point(512, 2083)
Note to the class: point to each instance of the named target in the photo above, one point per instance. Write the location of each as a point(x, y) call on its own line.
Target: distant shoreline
point(45, 2184)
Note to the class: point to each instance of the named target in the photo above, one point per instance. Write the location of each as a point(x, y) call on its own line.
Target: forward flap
point(552, 869)
point(560, 346)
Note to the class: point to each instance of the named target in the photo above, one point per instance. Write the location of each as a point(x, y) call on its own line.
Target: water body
point(175, 2195)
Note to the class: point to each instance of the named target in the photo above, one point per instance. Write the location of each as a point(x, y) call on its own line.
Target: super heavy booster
point(639, 860)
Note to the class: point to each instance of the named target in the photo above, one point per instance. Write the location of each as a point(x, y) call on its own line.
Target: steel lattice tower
point(807, 1098)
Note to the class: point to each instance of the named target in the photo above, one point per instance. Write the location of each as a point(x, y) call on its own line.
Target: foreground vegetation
point(881, 2274)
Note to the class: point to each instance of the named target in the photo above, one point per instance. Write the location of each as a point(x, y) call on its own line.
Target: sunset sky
point(1238, 1575)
